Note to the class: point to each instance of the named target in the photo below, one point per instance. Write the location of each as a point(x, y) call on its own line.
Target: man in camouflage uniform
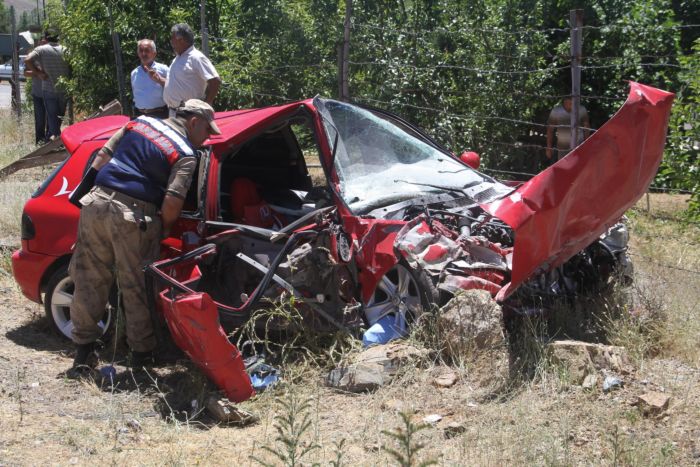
point(141, 177)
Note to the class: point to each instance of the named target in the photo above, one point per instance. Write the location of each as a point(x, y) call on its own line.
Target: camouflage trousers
point(117, 236)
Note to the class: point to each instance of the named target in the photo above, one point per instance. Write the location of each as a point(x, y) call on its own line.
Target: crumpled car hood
point(569, 205)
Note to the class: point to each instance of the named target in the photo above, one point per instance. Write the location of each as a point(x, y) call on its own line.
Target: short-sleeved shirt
point(147, 93)
point(560, 119)
point(50, 58)
point(188, 76)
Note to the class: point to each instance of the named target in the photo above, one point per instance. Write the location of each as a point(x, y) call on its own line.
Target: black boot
point(140, 360)
point(85, 361)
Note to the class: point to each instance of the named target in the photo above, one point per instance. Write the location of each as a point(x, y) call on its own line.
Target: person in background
point(559, 125)
point(192, 75)
point(38, 103)
point(147, 81)
point(48, 64)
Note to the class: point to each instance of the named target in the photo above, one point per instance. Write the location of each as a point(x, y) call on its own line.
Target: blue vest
point(141, 163)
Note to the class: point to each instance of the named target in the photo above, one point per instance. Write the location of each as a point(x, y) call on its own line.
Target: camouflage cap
point(202, 109)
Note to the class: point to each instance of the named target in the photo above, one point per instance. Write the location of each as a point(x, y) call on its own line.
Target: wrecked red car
point(394, 225)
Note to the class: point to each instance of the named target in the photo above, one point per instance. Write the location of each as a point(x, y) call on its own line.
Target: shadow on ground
point(37, 334)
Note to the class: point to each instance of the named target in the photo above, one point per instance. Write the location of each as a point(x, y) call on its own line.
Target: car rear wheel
point(402, 290)
point(58, 299)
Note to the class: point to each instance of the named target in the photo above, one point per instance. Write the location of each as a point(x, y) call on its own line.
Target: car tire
point(59, 297)
point(403, 289)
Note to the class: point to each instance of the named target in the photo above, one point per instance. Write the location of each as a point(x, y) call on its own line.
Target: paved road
point(6, 94)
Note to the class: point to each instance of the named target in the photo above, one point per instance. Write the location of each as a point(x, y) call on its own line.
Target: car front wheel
point(402, 290)
point(58, 300)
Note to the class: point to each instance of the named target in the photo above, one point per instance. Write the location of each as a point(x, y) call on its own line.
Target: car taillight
point(28, 231)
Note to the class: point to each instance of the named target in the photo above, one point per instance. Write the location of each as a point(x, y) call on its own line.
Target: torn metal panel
point(458, 263)
point(193, 321)
point(568, 206)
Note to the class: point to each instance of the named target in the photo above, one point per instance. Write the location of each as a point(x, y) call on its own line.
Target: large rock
point(374, 367)
point(653, 403)
point(471, 321)
point(580, 359)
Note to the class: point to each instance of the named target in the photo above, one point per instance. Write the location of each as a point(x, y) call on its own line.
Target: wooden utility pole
point(16, 92)
point(576, 23)
point(203, 27)
point(118, 63)
point(345, 68)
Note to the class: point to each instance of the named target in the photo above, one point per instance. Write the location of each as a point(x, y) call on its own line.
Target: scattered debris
point(454, 428)
point(262, 375)
point(134, 425)
point(374, 367)
point(581, 359)
point(590, 381)
point(223, 411)
point(108, 373)
point(432, 418)
point(471, 320)
point(360, 377)
point(385, 330)
point(445, 378)
point(653, 403)
point(611, 383)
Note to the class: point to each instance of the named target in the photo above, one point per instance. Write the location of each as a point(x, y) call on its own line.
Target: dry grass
point(540, 420)
point(16, 140)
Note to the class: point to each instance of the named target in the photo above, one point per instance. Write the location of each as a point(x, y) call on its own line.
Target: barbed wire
point(462, 116)
point(464, 68)
point(471, 28)
point(636, 28)
point(629, 65)
point(663, 265)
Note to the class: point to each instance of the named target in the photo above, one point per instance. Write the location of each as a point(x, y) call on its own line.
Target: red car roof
point(231, 123)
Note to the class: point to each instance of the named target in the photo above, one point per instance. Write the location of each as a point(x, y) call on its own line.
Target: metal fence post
point(576, 23)
point(203, 27)
point(345, 69)
point(16, 91)
point(118, 63)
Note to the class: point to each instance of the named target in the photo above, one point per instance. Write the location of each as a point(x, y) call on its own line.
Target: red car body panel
point(567, 206)
point(193, 321)
point(93, 129)
point(374, 249)
point(28, 268)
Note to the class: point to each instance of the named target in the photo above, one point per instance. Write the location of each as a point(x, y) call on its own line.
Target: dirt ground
point(150, 419)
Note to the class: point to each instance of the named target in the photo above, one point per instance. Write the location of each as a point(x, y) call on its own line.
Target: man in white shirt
point(147, 81)
point(192, 75)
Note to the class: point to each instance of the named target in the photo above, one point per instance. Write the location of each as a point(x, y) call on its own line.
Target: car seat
point(249, 208)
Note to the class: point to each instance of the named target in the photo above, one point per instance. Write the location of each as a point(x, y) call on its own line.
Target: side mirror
point(471, 158)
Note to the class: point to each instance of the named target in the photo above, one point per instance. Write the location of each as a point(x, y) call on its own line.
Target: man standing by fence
point(48, 64)
point(559, 122)
point(38, 103)
point(147, 81)
point(192, 75)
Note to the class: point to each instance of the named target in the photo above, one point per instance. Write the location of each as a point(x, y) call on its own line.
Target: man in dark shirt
point(141, 177)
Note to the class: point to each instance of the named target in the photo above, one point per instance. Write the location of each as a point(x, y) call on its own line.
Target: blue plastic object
point(386, 329)
point(108, 372)
point(260, 383)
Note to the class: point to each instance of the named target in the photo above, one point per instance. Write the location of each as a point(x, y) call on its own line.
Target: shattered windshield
point(380, 160)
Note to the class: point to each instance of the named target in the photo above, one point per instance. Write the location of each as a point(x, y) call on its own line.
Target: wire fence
point(397, 77)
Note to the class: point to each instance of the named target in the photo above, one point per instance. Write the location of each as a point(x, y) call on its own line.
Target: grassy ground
point(156, 419)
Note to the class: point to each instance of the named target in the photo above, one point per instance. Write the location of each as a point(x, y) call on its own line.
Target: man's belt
point(162, 108)
point(108, 193)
